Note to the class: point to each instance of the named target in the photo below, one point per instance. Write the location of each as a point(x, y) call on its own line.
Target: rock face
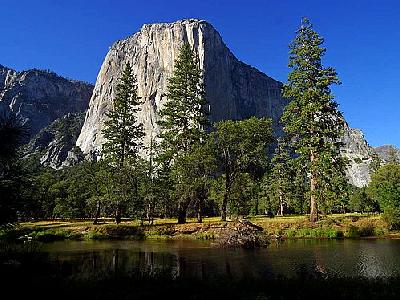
point(234, 90)
point(39, 97)
point(54, 145)
point(388, 153)
point(359, 154)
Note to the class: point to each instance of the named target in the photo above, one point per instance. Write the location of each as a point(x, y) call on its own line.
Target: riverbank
point(292, 227)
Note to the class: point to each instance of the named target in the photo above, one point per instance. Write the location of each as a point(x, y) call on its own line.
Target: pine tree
point(122, 131)
point(312, 119)
point(124, 135)
point(183, 118)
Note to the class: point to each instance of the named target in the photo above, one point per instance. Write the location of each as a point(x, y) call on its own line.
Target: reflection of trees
point(114, 264)
point(304, 258)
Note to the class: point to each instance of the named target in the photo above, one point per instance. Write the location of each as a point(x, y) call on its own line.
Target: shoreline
point(348, 226)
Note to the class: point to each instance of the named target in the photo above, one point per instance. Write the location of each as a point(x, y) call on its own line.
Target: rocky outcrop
point(359, 154)
point(54, 146)
point(388, 153)
point(234, 90)
point(39, 97)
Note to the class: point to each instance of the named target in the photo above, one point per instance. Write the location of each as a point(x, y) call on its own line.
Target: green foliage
point(183, 117)
point(192, 173)
point(122, 131)
point(375, 163)
point(12, 135)
point(385, 189)
point(311, 119)
point(124, 136)
point(280, 180)
point(241, 146)
point(360, 201)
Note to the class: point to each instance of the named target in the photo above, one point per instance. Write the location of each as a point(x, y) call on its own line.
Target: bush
point(385, 188)
point(391, 216)
point(352, 232)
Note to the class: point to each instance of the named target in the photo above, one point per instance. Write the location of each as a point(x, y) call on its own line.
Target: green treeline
point(194, 168)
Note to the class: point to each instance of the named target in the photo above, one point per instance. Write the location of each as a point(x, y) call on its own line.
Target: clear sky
point(72, 37)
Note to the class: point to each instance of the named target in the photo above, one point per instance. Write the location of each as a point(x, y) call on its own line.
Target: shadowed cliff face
point(54, 145)
point(40, 97)
point(234, 90)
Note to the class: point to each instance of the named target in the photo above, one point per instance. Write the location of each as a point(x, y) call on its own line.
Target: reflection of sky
point(378, 259)
point(290, 258)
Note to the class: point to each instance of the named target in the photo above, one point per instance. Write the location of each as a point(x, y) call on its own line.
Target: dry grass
point(331, 226)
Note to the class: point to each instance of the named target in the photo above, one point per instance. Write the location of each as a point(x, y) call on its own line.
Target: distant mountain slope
point(54, 146)
point(39, 97)
point(387, 153)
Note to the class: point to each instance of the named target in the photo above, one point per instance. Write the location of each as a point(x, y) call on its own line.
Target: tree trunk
point(226, 196)
point(118, 214)
point(280, 203)
point(181, 214)
point(313, 189)
point(97, 215)
point(200, 210)
point(256, 207)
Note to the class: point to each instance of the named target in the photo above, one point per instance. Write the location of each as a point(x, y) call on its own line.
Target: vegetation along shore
point(337, 226)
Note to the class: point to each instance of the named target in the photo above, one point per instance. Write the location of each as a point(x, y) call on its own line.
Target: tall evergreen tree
point(183, 118)
point(122, 131)
point(123, 134)
point(312, 119)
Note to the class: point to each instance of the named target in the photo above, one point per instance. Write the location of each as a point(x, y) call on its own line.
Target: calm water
point(369, 258)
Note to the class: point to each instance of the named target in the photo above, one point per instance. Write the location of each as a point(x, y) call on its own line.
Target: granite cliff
point(359, 154)
point(234, 89)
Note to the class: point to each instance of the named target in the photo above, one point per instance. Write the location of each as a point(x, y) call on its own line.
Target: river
point(341, 258)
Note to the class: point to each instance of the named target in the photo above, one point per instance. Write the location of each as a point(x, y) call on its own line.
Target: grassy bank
point(330, 227)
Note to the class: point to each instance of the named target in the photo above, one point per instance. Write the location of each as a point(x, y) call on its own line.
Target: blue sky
point(362, 37)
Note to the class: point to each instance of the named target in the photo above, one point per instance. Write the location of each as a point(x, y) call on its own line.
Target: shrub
point(352, 232)
point(391, 216)
point(385, 188)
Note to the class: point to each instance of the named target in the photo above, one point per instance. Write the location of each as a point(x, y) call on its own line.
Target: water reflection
point(191, 259)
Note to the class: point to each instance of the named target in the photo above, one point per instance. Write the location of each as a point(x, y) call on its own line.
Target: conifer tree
point(312, 119)
point(183, 118)
point(124, 135)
